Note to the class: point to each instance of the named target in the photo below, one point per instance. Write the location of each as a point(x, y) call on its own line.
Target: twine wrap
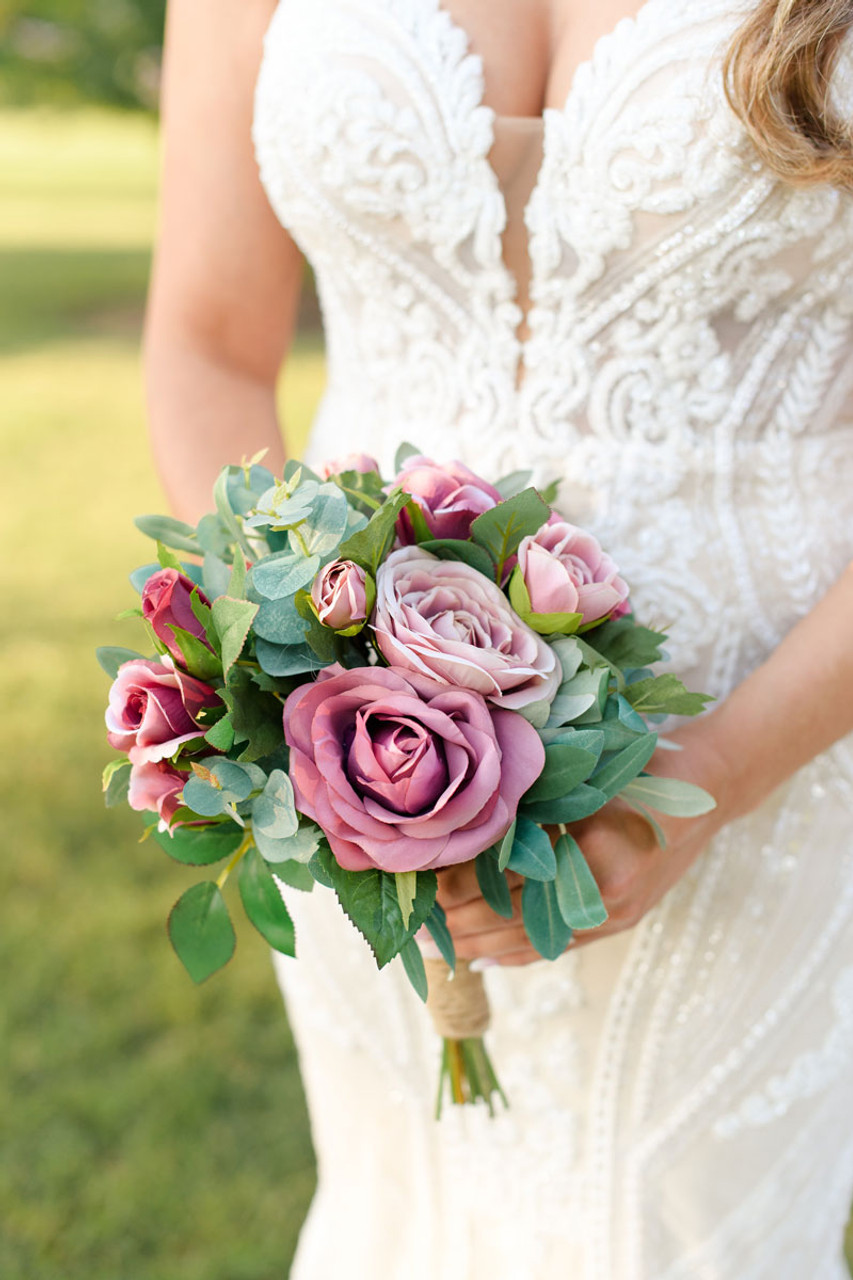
point(459, 1005)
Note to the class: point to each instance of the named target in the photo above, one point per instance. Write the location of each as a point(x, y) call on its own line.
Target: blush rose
point(449, 495)
point(565, 571)
point(166, 603)
point(403, 773)
point(154, 708)
point(361, 462)
point(449, 622)
point(339, 594)
point(156, 785)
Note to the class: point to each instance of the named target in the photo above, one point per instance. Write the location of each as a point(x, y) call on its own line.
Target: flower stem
point(244, 847)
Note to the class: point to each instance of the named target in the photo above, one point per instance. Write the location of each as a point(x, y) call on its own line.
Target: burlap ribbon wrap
point(458, 1003)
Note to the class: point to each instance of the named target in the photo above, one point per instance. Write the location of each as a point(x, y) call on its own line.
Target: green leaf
point(233, 620)
point(501, 529)
point(578, 895)
point(569, 651)
point(296, 874)
point(264, 904)
point(116, 782)
point(545, 624)
point(532, 855)
point(297, 848)
point(413, 963)
point(274, 817)
point(200, 930)
point(404, 452)
point(326, 525)
point(407, 888)
point(614, 774)
point(508, 486)
point(421, 530)
point(171, 532)
point(466, 552)
point(282, 574)
point(200, 846)
point(225, 511)
point(369, 899)
point(436, 922)
point(649, 817)
point(255, 714)
point(237, 581)
point(370, 545)
point(204, 798)
point(505, 846)
point(543, 921)
point(625, 643)
point(321, 640)
point(167, 559)
point(585, 684)
point(215, 576)
point(493, 885)
point(566, 764)
point(665, 695)
point(670, 795)
point(286, 660)
point(550, 492)
point(199, 660)
point(221, 736)
point(583, 801)
point(112, 656)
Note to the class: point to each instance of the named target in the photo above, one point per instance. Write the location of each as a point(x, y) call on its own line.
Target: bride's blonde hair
point(778, 77)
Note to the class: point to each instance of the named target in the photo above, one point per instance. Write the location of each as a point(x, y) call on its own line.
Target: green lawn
point(149, 1129)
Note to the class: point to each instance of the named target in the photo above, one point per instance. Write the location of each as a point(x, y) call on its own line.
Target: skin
point(215, 341)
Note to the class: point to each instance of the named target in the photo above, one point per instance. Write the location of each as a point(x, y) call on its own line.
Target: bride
point(614, 243)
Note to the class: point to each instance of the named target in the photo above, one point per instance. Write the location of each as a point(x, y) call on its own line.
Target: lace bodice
point(679, 355)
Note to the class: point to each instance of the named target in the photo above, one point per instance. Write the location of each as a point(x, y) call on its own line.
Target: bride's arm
point(226, 277)
point(790, 709)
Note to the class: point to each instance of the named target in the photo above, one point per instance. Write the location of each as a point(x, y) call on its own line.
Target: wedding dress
point(645, 312)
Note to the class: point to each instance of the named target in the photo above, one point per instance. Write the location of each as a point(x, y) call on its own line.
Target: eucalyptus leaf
point(413, 963)
point(583, 801)
point(493, 885)
point(570, 654)
point(264, 905)
point(543, 920)
point(505, 847)
point(140, 576)
point(169, 531)
point(566, 764)
point(613, 774)
point(436, 923)
point(203, 798)
point(326, 525)
point(532, 855)
point(578, 895)
point(404, 452)
point(670, 795)
point(215, 576)
point(509, 485)
point(282, 574)
point(274, 810)
point(285, 660)
point(111, 657)
point(200, 930)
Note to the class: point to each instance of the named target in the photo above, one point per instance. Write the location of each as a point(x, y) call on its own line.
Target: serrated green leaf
point(369, 899)
point(665, 695)
point(493, 885)
point(501, 529)
point(543, 921)
point(673, 796)
point(578, 895)
point(413, 963)
point(171, 532)
point(613, 774)
point(436, 922)
point(626, 644)
point(167, 559)
point(583, 801)
point(255, 715)
point(566, 764)
point(200, 846)
point(295, 874)
point(465, 552)
point(221, 735)
point(370, 545)
point(237, 581)
point(550, 492)
point(233, 620)
point(264, 904)
point(111, 656)
point(532, 855)
point(200, 930)
point(199, 661)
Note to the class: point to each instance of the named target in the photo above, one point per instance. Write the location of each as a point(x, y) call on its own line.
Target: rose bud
point(565, 571)
point(340, 595)
point(166, 604)
point(361, 462)
point(450, 497)
point(156, 785)
point(154, 708)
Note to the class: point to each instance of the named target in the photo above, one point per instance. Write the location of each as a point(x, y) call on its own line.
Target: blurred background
point(149, 1129)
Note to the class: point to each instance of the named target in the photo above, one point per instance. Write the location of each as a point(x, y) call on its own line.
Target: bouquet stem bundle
point(459, 1007)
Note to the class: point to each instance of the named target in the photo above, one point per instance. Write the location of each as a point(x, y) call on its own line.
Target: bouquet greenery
point(358, 683)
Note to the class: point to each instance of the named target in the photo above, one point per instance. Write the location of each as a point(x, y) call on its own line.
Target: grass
point(148, 1128)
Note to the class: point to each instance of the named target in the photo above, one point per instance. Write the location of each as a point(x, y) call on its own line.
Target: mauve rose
point(153, 708)
point(565, 571)
point(449, 495)
point(156, 785)
point(403, 773)
point(362, 462)
point(447, 621)
point(339, 593)
point(166, 603)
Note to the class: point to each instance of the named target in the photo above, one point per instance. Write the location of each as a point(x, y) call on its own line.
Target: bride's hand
point(631, 870)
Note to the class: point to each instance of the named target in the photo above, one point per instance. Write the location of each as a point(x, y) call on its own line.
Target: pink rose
point(156, 785)
point(347, 462)
point(565, 571)
point(166, 603)
point(339, 595)
point(447, 621)
point(450, 497)
point(153, 708)
point(403, 773)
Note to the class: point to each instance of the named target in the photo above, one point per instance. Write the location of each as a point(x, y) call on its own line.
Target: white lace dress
point(682, 1095)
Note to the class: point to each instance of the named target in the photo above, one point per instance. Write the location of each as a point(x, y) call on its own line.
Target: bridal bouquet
point(359, 682)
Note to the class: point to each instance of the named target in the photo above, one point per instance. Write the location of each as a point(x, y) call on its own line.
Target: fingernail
point(484, 962)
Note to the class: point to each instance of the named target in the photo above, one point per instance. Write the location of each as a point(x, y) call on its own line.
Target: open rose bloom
point(332, 703)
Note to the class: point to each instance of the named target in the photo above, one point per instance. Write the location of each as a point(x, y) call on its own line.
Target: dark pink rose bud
point(154, 708)
point(361, 462)
point(166, 603)
point(565, 571)
point(339, 595)
point(156, 785)
point(449, 495)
